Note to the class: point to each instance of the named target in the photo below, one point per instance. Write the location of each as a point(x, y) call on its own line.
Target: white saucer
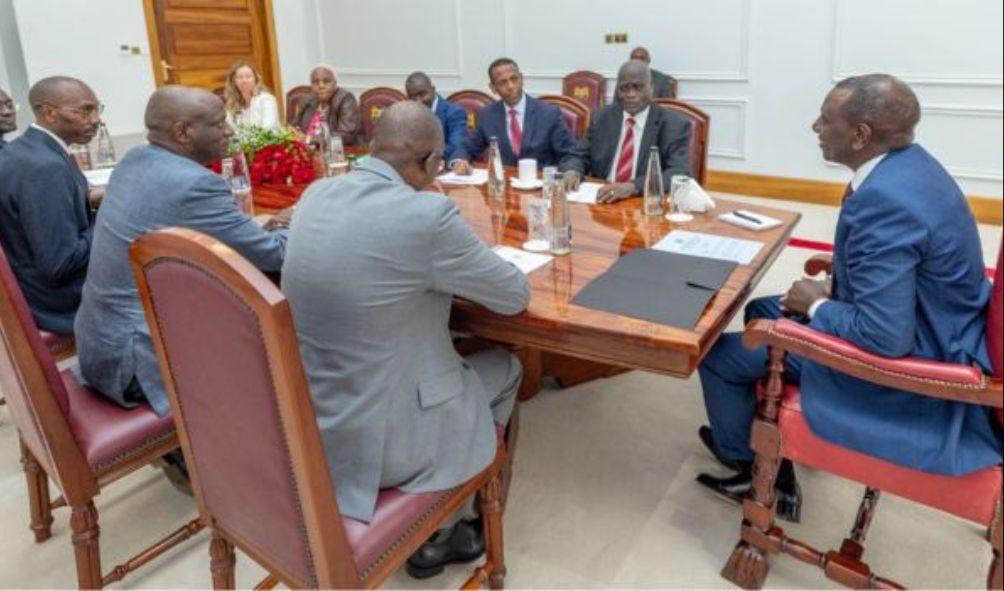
point(537, 245)
point(516, 184)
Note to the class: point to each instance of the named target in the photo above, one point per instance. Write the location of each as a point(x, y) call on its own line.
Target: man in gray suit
point(158, 185)
point(372, 267)
point(662, 84)
point(617, 145)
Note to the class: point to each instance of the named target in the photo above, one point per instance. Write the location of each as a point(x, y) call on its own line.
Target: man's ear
point(181, 133)
point(862, 136)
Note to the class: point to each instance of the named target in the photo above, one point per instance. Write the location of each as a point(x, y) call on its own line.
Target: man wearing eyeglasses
point(46, 217)
point(8, 116)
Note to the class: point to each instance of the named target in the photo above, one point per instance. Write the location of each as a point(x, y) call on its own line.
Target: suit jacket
point(3, 143)
point(661, 87)
point(453, 118)
point(908, 280)
point(45, 226)
point(546, 137)
point(594, 154)
point(343, 115)
point(151, 188)
point(371, 272)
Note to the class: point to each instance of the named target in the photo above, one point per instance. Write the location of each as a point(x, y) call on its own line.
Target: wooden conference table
point(600, 234)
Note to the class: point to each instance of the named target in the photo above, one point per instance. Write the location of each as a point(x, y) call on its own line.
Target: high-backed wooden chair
point(372, 104)
point(700, 128)
point(674, 86)
point(74, 436)
point(574, 112)
point(780, 430)
point(296, 97)
point(472, 101)
point(588, 87)
point(249, 434)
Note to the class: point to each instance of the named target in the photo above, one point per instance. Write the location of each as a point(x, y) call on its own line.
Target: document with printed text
point(710, 246)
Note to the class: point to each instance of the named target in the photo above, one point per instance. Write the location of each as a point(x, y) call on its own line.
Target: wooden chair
point(574, 111)
point(588, 87)
point(700, 128)
point(674, 86)
point(296, 97)
point(249, 433)
point(780, 430)
point(372, 104)
point(74, 436)
point(472, 101)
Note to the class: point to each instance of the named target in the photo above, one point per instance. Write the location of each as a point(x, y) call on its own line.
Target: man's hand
point(461, 167)
point(95, 196)
point(614, 192)
point(804, 293)
point(571, 180)
point(280, 220)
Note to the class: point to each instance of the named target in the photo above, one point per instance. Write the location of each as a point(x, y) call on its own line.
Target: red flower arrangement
point(288, 162)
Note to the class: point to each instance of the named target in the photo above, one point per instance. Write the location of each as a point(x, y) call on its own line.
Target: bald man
point(46, 218)
point(374, 263)
point(452, 118)
point(158, 185)
point(908, 280)
point(8, 116)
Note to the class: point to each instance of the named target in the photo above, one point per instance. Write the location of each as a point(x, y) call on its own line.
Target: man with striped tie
point(621, 135)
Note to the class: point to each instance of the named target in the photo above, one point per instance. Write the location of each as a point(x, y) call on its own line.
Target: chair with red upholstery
point(249, 433)
point(573, 111)
point(588, 87)
point(471, 101)
point(372, 104)
point(700, 128)
point(780, 430)
point(74, 436)
point(296, 97)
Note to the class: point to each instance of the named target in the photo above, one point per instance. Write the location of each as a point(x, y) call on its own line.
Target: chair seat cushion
point(971, 496)
point(108, 433)
point(59, 345)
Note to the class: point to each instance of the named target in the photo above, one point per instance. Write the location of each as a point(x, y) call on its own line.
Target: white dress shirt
point(639, 127)
point(520, 116)
point(263, 111)
point(58, 139)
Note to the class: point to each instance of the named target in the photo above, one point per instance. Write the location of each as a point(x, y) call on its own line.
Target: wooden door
point(194, 42)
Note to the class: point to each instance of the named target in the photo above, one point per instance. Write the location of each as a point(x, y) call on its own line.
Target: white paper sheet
point(710, 246)
point(527, 262)
point(98, 177)
point(586, 193)
point(478, 176)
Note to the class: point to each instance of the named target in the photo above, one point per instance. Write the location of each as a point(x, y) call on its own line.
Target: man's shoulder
point(27, 158)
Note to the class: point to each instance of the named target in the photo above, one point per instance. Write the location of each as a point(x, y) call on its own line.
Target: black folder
point(663, 287)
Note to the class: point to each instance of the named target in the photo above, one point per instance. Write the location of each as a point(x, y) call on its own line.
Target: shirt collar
point(640, 118)
point(864, 170)
point(520, 106)
point(382, 168)
point(58, 139)
point(435, 103)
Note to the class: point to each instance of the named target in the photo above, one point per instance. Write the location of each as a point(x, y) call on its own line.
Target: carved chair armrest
point(948, 381)
point(819, 263)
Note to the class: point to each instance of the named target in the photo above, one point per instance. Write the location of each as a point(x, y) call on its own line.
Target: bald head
point(634, 86)
point(67, 107)
point(641, 54)
point(884, 103)
point(409, 137)
point(419, 88)
point(172, 103)
point(58, 91)
point(189, 121)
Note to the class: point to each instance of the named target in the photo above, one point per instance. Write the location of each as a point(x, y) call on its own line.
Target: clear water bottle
point(561, 220)
point(335, 158)
point(496, 173)
point(654, 192)
point(235, 171)
point(105, 149)
point(550, 180)
point(82, 154)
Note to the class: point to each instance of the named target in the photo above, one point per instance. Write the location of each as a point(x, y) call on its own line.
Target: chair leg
point(511, 437)
point(853, 545)
point(995, 578)
point(491, 511)
point(222, 563)
point(39, 505)
point(86, 545)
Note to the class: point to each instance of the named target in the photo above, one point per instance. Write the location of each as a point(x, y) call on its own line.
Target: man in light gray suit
point(158, 185)
point(372, 267)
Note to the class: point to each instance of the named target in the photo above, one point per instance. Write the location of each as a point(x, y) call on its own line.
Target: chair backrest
point(296, 97)
point(995, 318)
point(673, 86)
point(231, 365)
point(700, 127)
point(471, 101)
point(574, 112)
point(372, 104)
point(586, 86)
point(36, 394)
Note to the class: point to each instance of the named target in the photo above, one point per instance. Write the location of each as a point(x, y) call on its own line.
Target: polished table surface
point(600, 235)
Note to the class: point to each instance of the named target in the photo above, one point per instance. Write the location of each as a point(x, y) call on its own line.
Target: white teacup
point(527, 171)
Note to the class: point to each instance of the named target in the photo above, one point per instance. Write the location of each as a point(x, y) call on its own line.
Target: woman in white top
point(246, 101)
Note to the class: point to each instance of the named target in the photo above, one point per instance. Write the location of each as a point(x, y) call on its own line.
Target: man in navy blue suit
point(908, 280)
point(525, 127)
point(452, 118)
point(8, 116)
point(46, 217)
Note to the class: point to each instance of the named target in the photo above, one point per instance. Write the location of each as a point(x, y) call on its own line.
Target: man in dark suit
point(525, 127)
point(908, 280)
point(46, 219)
point(621, 135)
point(452, 118)
point(662, 86)
point(8, 116)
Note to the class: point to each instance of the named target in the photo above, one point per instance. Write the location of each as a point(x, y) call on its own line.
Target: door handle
point(165, 71)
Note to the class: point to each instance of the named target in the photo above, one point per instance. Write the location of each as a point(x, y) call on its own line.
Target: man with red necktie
point(619, 139)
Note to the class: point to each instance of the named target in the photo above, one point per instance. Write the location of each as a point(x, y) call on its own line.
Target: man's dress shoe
point(465, 543)
point(709, 442)
point(788, 495)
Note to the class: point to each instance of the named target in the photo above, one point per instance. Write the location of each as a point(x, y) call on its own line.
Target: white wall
point(759, 68)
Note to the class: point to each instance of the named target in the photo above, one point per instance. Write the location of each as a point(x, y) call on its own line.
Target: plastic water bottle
point(654, 193)
point(561, 221)
point(496, 173)
point(105, 149)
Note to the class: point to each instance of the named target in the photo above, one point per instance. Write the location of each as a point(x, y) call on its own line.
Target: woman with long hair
point(247, 102)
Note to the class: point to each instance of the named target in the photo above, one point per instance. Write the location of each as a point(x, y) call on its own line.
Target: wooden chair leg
point(995, 578)
point(39, 504)
point(491, 511)
point(86, 545)
point(853, 545)
point(222, 563)
point(531, 360)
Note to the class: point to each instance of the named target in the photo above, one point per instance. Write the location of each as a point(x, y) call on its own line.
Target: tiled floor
point(603, 496)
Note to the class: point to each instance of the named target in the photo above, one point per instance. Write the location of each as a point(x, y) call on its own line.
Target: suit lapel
point(608, 149)
point(648, 136)
point(529, 122)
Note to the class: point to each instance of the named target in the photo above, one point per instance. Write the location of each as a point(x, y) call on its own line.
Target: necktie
point(626, 159)
point(848, 191)
point(515, 133)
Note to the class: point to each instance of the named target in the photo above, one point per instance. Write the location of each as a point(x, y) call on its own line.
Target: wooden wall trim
point(987, 210)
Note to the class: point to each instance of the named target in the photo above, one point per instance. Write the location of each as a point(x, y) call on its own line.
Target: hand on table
point(571, 179)
point(280, 220)
point(614, 192)
point(95, 196)
point(461, 167)
point(803, 293)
